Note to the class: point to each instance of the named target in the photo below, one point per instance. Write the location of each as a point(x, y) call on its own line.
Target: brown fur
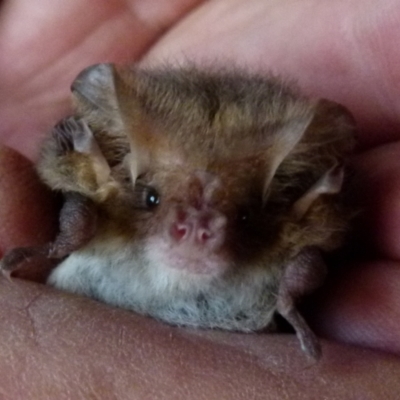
point(240, 145)
point(221, 121)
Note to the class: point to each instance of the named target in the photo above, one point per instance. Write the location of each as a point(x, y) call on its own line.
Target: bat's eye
point(248, 214)
point(146, 197)
point(243, 216)
point(152, 198)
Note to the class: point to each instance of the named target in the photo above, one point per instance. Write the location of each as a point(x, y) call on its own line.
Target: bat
point(203, 197)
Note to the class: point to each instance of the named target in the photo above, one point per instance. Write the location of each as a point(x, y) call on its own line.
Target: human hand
point(49, 338)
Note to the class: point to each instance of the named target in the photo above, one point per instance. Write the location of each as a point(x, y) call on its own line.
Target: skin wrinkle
point(80, 372)
point(155, 17)
point(31, 318)
point(296, 382)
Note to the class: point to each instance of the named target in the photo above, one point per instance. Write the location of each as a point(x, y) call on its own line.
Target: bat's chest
point(122, 275)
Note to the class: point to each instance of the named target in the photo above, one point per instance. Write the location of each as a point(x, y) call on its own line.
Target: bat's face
point(201, 221)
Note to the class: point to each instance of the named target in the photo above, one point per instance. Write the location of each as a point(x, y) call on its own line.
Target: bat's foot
point(78, 222)
point(302, 275)
point(64, 133)
point(14, 258)
point(309, 343)
point(73, 134)
point(6, 274)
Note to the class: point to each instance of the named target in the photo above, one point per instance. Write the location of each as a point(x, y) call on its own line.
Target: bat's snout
point(200, 229)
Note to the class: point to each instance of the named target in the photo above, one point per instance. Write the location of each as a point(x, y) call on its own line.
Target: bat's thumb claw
point(311, 345)
point(5, 272)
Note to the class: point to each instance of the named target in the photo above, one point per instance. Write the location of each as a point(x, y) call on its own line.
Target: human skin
point(55, 345)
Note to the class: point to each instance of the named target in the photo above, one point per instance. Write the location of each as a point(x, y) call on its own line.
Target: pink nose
point(183, 231)
point(180, 231)
point(199, 229)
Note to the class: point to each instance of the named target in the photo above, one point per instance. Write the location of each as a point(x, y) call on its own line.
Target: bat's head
point(217, 161)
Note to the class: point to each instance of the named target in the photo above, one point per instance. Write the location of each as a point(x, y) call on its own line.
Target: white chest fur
point(120, 274)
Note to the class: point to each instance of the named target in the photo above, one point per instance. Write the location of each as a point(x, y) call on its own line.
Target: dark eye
point(146, 196)
point(152, 198)
point(249, 213)
point(243, 216)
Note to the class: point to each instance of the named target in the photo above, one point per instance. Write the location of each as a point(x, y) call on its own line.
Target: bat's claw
point(63, 133)
point(310, 344)
point(73, 134)
point(15, 257)
point(303, 274)
point(5, 272)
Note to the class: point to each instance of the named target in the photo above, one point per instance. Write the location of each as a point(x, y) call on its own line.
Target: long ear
point(96, 98)
point(334, 128)
point(328, 127)
point(106, 97)
point(283, 142)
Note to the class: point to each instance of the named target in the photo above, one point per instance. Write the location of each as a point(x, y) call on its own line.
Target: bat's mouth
point(187, 259)
point(200, 265)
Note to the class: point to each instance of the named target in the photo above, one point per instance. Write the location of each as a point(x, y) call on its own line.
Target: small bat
point(201, 197)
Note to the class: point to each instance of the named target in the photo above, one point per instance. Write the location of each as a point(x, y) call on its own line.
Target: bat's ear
point(105, 95)
point(283, 141)
point(335, 126)
point(333, 123)
point(95, 96)
point(336, 113)
point(326, 126)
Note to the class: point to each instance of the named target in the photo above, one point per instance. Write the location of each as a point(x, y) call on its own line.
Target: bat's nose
point(180, 231)
point(199, 228)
